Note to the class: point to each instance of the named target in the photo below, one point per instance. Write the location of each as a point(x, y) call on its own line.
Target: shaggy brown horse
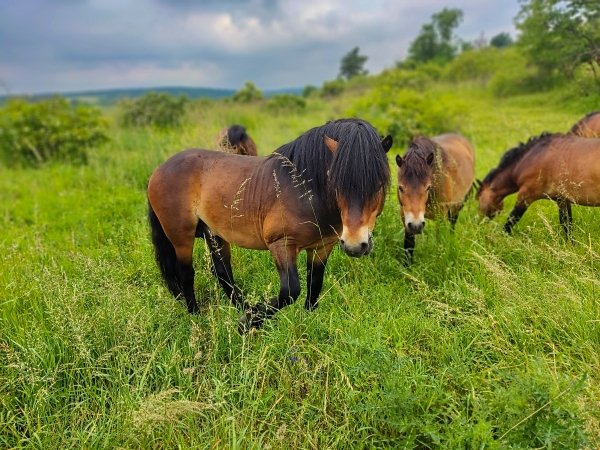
point(234, 139)
point(588, 126)
point(434, 178)
point(326, 186)
point(563, 168)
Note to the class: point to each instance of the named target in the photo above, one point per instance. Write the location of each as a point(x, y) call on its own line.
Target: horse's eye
point(400, 189)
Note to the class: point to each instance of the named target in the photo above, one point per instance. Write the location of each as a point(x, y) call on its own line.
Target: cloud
point(88, 44)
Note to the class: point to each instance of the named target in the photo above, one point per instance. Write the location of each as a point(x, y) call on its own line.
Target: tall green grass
point(486, 341)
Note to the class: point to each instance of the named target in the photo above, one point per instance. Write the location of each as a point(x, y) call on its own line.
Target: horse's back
point(197, 184)
point(565, 166)
point(588, 127)
point(459, 161)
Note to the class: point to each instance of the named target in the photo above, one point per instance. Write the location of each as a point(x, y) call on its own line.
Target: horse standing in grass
point(434, 178)
point(235, 139)
point(563, 168)
point(326, 186)
point(588, 126)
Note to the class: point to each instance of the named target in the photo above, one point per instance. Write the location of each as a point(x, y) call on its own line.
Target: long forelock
point(415, 168)
point(358, 170)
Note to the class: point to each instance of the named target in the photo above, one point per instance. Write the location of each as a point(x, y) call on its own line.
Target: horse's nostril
point(342, 242)
point(364, 246)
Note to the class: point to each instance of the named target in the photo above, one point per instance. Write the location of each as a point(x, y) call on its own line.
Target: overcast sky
point(67, 45)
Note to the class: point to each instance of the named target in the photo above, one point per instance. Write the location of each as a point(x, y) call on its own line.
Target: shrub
point(154, 109)
point(286, 102)
point(32, 134)
point(478, 65)
point(332, 88)
point(249, 93)
point(405, 113)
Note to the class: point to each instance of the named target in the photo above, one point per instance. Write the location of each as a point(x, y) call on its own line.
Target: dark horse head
point(416, 173)
point(346, 163)
point(235, 139)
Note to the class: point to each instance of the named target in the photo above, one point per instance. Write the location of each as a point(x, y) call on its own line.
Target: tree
point(501, 40)
point(560, 35)
point(352, 64)
point(435, 42)
point(249, 93)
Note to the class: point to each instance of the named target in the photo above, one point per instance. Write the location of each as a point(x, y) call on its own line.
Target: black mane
point(415, 166)
point(515, 154)
point(358, 169)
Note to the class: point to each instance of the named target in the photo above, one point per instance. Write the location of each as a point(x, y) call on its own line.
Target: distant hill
point(106, 97)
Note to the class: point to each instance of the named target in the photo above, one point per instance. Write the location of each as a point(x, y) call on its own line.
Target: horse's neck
point(504, 183)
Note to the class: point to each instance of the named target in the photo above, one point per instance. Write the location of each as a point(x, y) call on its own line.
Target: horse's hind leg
point(220, 253)
point(289, 288)
point(565, 216)
point(174, 258)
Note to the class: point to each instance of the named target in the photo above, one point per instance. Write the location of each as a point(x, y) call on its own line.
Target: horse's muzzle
point(356, 251)
point(415, 228)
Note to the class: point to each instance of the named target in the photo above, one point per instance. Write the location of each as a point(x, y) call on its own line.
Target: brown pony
point(234, 139)
point(563, 168)
point(588, 126)
point(434, 178)
point(329, 184)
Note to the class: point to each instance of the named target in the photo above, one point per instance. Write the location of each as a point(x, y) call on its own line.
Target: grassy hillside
point(486, 341)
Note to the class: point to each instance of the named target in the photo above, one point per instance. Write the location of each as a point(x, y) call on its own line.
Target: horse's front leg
point(316, 260)
point(409, 247)
point(515, 216)
point(285, 256)
point(565, 216)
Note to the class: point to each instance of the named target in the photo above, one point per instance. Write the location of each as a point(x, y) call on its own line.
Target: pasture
point(485, 341)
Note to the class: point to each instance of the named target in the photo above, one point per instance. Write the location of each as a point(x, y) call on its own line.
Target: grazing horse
point(329, 184)
point(559, 167)
point(234, 139)
point(588, 126)
point(434, 178)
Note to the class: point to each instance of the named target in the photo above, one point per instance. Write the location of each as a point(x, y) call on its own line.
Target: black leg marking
point(315, 271)
point(565, 217)
point(289, 290)
point(514, 217)
point(220, 253)
point(409, 247)
point(186, 277)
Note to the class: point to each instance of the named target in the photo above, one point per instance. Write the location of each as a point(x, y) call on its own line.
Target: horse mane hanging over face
point(416, 166)
point(515, 154)
point(358, 169)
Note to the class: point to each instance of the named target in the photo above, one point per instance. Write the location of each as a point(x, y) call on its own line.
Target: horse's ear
point(399, 160)
point(387, 142)
point(331, 144)
point(430, 158)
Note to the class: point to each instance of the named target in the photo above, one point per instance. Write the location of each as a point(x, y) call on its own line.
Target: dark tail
point(165, 254)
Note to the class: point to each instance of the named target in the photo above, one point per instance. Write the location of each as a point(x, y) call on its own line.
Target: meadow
point(487, 341)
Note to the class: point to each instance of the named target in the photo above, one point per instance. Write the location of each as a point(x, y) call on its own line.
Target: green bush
point(405, 113)
point(332, 88)
point(154, 109)
point(286, 102)
point(249, 93)
point(53, 130)
point(477, 65)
